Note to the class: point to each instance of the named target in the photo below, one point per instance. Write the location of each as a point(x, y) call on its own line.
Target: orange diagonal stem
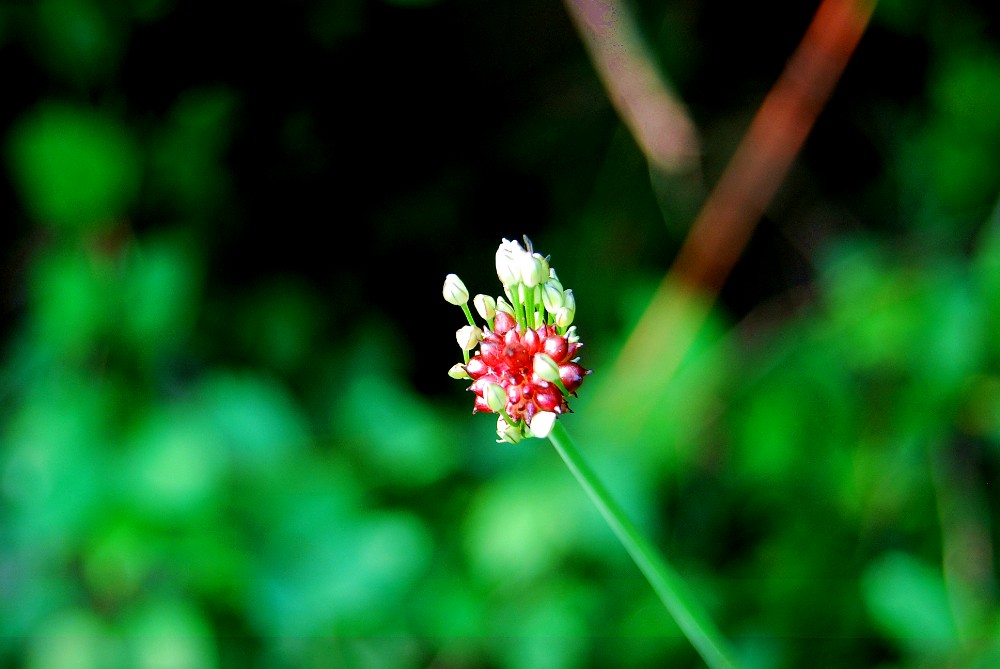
point(750, 180)
point(774, 138)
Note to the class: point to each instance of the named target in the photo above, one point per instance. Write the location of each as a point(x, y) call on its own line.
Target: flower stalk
point(669, 587)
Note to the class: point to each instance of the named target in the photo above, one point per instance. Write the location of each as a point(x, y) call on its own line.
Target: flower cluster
point(525, 367)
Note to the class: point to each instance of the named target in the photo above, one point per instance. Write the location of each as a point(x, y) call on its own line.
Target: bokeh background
point(227, 436)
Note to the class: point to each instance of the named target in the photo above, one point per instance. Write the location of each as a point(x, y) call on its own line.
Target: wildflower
point(525, 365)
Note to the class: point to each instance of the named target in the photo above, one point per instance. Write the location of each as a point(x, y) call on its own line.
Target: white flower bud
point(564, 317)
point(569, 299)
point(508, 433)
point(504, 305)
point(534, 269)
point(495, 396)
point(468, 337)
point(541, 424)
point(454, 290)
point(485, 305)
point(552, 295)
point(508, 262)
point(457, 371)
point(546, 367)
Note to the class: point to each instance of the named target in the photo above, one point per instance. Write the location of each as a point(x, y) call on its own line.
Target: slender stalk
point(666, 583)
point(468, 314)
point(516, 302)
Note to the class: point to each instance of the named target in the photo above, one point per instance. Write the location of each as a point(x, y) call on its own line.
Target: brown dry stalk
point(725, 223)
point(640, 93)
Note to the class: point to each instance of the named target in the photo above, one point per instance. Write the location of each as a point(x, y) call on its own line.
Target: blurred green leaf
point(920, 320)
point(656, 407)
point(544, 628)
point(399, 436)
point(187, 171)
point(450, 607)
point(54, 457)
point(506, 537)
point(280, 323)
point(72, 639)
point(174, 465)
point(644, 634)
point(950, 166)
point(160, 294)
point(75, 167)
point(118, 558)
point(257, 421)
point(168, 634)
point(347, 573)
point(908, 601)
point(80, 40)
point(70, 286)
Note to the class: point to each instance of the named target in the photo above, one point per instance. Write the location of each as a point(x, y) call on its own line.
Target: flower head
point(525, 365)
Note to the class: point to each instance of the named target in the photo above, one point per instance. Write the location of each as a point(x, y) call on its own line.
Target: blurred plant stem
point(745, 189)
point(636, 86)
point(966, 549)
point(668, 585)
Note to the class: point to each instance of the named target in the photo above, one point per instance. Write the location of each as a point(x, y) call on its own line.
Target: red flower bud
point(572, 375)
point(503, 322)
point(557, 349)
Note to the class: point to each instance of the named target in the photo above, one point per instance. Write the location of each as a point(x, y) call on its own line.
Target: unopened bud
point(542, 423)
point(495, 396)
point(546, 367)
point(534, 269)
point(508, 262)
point(569, 300)
point(468, 337)
point(508, 433)
point(454, 290)
point(564, 317)
point(504, 306)
point(485, 305)
point(552, 296)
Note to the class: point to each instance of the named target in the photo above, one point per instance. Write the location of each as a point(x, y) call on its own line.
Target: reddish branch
point(727, 218)
point(774, 138)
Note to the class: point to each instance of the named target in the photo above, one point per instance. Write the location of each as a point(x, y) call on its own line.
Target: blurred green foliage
point(227, 435)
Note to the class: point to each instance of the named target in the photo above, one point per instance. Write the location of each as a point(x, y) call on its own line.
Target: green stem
point(468, 314)
point(666, 583)
point(516, 303)
point(539, 307)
